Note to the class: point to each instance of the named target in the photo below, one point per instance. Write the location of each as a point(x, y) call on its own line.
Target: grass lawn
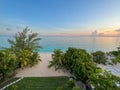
point(41, 83)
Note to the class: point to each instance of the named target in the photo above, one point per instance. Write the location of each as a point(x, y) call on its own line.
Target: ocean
point(91, 44)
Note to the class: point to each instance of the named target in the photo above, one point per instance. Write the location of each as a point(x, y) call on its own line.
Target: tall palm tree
point(25, 40)
point(25, 46)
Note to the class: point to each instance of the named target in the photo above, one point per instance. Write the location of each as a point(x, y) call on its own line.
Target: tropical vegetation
point(25, 47)
point(23, 51)
point(116, 55)
point(7, 64)
point(99, 57)
point(80, 64)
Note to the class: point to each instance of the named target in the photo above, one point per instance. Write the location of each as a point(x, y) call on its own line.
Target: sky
point(61, 17)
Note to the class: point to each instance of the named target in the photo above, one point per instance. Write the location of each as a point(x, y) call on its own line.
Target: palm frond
point(11, 42)
point(36, 39)
point(32, 36)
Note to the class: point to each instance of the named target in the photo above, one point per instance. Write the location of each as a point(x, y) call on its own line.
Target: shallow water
point(49, 43)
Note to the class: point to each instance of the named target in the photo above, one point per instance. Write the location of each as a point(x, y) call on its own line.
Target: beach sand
point(41, 69)
point(115, 69)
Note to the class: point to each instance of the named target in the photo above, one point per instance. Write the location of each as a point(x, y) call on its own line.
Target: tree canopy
point(99, 57)
point(7, 63)
point(79, 63)
point(23, 52)
point(25, 46)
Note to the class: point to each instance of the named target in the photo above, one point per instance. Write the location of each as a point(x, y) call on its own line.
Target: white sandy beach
point(42, 70)
point(115, 69)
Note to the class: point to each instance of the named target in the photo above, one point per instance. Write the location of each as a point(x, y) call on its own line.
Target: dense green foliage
point(25, 47)
point(105, 81)
point(25, 40)
point(114, 53)
point(116, 60)
point(76, 88)
point(79, 63)
point(71, 83)
point(73, 56)
point(7, 63)
point(99, 57)
point(23, 52)
point(42, 83)
point(57, 57)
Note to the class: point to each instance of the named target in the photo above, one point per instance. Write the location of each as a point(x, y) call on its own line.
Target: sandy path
point(41, 69)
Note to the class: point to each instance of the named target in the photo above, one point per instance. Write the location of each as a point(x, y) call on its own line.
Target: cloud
point(94, 33)
point(117, 30)
point(101, 34)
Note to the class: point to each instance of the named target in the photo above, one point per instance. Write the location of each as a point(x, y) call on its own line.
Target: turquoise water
point(49, 43)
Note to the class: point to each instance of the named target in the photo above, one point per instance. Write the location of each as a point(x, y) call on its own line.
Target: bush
point(59, 88)
point(76, 88)
point(99, 57)
point(79, 63)
point(14, 87)
point(71, 83)
point(114, 61)
point(115, 53)
point(7, 63)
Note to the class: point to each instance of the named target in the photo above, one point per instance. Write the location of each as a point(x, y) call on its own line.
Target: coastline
point(42, 70)
point(113, 68)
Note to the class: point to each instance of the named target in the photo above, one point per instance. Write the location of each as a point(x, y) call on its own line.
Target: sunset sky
point(61, 17)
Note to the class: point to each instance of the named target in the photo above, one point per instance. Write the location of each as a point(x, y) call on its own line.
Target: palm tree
point(57, 61)
point(25, 46)
point(24, 40)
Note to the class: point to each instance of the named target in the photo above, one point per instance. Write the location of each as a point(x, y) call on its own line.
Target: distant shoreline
point(90, 44)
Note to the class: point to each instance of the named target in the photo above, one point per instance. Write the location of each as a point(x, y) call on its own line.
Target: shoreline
point(41, 69)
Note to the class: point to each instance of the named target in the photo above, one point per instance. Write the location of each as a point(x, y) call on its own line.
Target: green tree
point(79, 63)
point(105, 81)
point(99, 57)
point(58, 58)
point(116, 60)
point(73, 56)
point(25, 40)
point(7, 63)
point(114, 53)
point(25, 46)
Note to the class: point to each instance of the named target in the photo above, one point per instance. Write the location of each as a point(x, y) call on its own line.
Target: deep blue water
point(49, 43)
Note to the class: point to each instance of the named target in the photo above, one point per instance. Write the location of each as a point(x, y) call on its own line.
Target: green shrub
point(71, 83)
point(99, 57)
point(118, 58)
point(14, 87)
point(115, 53)
point(76, 88)
point(7, 63)
point(114, 61)
point(79, 63)
point(59, 88)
